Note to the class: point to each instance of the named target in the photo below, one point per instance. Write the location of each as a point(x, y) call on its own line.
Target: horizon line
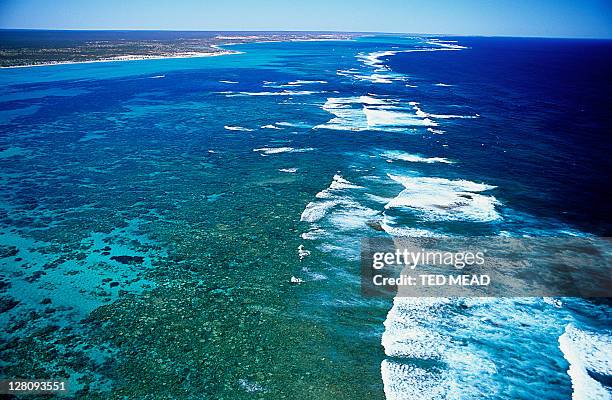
point(302, 31)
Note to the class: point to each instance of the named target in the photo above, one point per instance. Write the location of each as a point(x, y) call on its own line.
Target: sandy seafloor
point(151, 213)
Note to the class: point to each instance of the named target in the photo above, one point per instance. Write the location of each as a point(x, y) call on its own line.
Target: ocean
point(190, 228)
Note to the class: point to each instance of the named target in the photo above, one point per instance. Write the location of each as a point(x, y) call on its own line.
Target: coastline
point(128, 58)
point(222, 52)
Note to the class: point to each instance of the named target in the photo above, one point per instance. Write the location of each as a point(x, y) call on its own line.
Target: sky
point(548, 18)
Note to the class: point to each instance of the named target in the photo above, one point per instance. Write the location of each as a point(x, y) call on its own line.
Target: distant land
point(19, 48)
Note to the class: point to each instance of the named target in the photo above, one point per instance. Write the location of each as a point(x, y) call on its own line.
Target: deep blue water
point(210, 172)
point(546, 119)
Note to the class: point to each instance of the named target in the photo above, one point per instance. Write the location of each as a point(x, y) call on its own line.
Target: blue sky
point(560, 18)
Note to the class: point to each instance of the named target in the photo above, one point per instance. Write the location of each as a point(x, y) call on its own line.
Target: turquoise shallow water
point(152, 212)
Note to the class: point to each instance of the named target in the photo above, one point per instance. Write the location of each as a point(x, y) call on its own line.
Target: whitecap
point(281, 93)
point(377, 117)
point(586, 353)
point(446, 44)
point(373, 59)
point(405, 335)
point(329, 198)
point(339, 183)
point(419, 112)
point(389, 225)
point(293, 124)
point(409, 382)
point(444, 199)
point(315, 210)
point(371, 113)
point(277, 150)
point(416, 329)
point(302, 252)
point(398, 155)
point(237, 128)
point(305, 82)
point(313, 233)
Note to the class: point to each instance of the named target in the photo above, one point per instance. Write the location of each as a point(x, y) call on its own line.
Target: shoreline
point(128, 58)
point(223, 52)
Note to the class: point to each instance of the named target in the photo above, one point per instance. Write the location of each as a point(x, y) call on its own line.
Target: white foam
point(419, 112)
point(293, 124)
point(304, 82)
point(339, 183)
point(237, 128)
point(459, 184)
point(449, 116)
point(157, 77)
point(377, 117)
point(277, 150)
point(329, 198)
point(375, 78)
point(228, 82)
point(371, 113)
point(416, 328)
point(281, 93)
point(270, 84)
point(336, 216)
point(270, 127)
point(409, 382)
point(388, 225)
point(406, 231)
point(288, 170)
point(586, 351)
point(548, 300)
point(352, 216)
point(443, 199)
point(347, 72)
point(374, 59)
point(446, 44)
point(382, 73)
point(315, 210)
point(313, 233)
point(302, 252)
point(378, 199)
point(404, 335)
point(398, 155)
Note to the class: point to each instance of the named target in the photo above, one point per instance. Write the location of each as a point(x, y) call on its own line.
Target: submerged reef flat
point(29, 48)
